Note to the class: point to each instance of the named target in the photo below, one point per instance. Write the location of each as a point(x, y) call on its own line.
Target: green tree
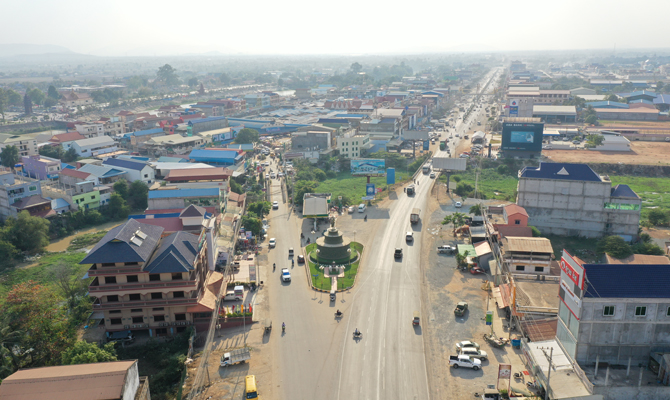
point(37, 96)
point(87, 353)
point(121, 187)
point(168, 75)
point(67, 283)
point(591, 120)
point(138, 195)
point(612, 97)
point(9, 156)
point(260, 208)
point(464, 189)
point(193, 82)
point(224, 78)
point(476, 209)
point(9, 253)
point(236, 187)
point(456, 219)
point(356, 68)
point(27, 233)
point(302, 187)
point(615, 246)
point(49, 102)
point(594, 140)
point(319, 175)
point(144, 92)
point(247, 136)
point(648, 248)
point(52, 93)
point(536, 232)
point(659, 217)
point(70, 155)
point(117, 207)
point(135, 82)
point(251, 222)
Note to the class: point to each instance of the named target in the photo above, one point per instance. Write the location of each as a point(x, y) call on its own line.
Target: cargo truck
point(415, 216)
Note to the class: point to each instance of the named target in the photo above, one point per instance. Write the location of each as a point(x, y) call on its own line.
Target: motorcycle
point(358, 334)
point(338, 314)
point(274, 266)
point(283, 328)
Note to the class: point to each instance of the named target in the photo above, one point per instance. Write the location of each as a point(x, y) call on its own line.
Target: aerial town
point(486, 224)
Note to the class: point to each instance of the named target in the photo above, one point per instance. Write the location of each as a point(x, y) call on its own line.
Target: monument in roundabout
point(333, 247)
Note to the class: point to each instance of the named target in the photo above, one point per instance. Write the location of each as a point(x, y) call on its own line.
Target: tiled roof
point(638, 259)
point(127, 164)
point(621, 190)
point(561, 171)
point(74, 173)
point(121, 244)
point(515, 209)
point(527, 244)
point(176, 254)
point(30, 201)
point(630, 281)
point(516, 231)
point(193, 211)
point(67, 137)
point(172, 224)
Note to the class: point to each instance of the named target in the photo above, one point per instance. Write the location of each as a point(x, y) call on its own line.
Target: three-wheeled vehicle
point(268, 325)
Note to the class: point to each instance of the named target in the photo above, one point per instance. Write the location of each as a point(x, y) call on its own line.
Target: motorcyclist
point(283, 327)
point(274, 266)
point(338, 312)
point(357, 332)
point(366, 217)
point(292, 262)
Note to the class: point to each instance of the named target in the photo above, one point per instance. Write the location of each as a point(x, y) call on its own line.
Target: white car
point(466, 343)
point(285, 275)
point(273, 243)
point(272, 175)
point(280, 175)
point(409, 236)
point(275, 205)
point(432, 174)
point(458, 204)
point(474, 353)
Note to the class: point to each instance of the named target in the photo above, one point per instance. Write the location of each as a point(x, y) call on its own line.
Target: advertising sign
point(426, 145)
point(572, 284)
point(504, 376)
point(489, 318)
point(522, 136)
point(370, 189)
point(572, 269)
point(390, 176)
point(367, 166)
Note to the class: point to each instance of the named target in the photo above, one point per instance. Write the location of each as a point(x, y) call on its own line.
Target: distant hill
point(18, 49)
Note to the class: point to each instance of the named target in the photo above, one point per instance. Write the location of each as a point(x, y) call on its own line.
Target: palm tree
point(456, 219)
point(9, 339)
point(476, 209)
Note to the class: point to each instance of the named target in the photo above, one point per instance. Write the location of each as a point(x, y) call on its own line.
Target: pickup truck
point(415, 216)
point(235, 356)
point(465, 362)
point(446, 249)
point(460, 309)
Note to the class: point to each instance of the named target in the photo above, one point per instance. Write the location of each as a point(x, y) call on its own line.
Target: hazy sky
point(121, 27)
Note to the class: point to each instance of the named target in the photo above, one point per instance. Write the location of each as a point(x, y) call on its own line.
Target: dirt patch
point(643, 153)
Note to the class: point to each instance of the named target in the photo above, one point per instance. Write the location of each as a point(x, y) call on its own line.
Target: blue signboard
point(390, 176)
point(370, 189)
point(426, 144)
point(367, 166)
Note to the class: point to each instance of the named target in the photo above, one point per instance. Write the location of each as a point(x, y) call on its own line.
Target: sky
point(169, 27)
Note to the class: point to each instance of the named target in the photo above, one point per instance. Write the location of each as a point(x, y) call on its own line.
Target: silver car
point(474, 353)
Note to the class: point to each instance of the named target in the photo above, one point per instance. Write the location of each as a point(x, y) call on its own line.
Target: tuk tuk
point(332, 295)
point(268, 325)
point(416, 320)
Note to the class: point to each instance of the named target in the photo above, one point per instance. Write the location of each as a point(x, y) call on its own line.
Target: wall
point(131, 383)
point(635, 392)
point(33, 126)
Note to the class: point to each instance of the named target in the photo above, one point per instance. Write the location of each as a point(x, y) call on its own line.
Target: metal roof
point(101, 172)
point(181, 193)
point(119, 244)
point(315, 206)
point(555, 110)
point(650, 281)
point(621, 190)
point(527, 244)
point(95, 141)
point(134, 165)
point(176, 254)
point(561, 171)
point(198, 121)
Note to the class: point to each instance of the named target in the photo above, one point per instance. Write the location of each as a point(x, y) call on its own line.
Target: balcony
point(98, 270)
point(174, 302)
point(96, 288)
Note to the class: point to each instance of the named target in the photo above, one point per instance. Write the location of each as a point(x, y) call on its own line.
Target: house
point(353, 146)
point(66, 139)
point(103, 175)
point(527, 255)
point(14, 189)
point(199, 174)
point(144, 282)
point(71, 177)
point(90, 130)
point(571, 199)
point(172, 144)
point(26, 144)
point(94, 146)
point(181, 198)
point(136, 170)
point(41, 167)
point(216, 135)
point(75, 99)
point(113, 380)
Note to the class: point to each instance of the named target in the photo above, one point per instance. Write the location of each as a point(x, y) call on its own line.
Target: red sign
point(569, 267)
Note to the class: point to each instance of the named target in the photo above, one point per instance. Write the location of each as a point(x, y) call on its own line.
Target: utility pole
point(551, 354)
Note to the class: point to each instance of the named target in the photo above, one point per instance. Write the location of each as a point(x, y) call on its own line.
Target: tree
point(302, 187)
point(536, 232)
point(476, 209)
point(70, 155)
point(251, 222)
point(356, 68)
point(7, 97)
point(612, 97)
point(193, 82)
point(463, 189)
point(117, 207)
point(36, 95)
point(9, 253)
point(168, 75)
point(236, 187)
point(138, 195)
point(86, 353)
point(121, 187)
point(135, 82)
point(27, 233)
point(659, 217)
point(615, 246)
point(144, 92)
point(594, 140)
point(591, 120)
point(52, 93)
point(456, 219)
point(9, 156)
point(247, 136)
point(224, 78)
point(260, 208)
point(69, 285)
point(49, 102)
point(648, 248)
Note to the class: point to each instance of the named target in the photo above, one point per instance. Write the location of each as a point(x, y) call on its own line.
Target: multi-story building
point(573, 200)
point(26, 144)
point(41, 167)
point(95, 146)
point(527, 255)
point(91, 130)
point(311, 140)
point(142, 281)
point(113, 126)
point(74, 99)
point(18, 193)
point(353, 146)
point(207, 124)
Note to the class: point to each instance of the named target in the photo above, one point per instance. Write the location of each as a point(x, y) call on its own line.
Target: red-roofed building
point(66, 139)
point(187, 117)
point(199, 174)
point(70, 177)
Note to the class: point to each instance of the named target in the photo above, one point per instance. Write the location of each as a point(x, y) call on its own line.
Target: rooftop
point(555, 110)
point(638, 259)
point(127, 164)
point(561, 171)
point(129, 242)
point(527, 244)
point(100, 140)
point(641, 281)
point(622, 190)
point(101, 172)
point(512, 209)
point(176, 254)
point(181, 193)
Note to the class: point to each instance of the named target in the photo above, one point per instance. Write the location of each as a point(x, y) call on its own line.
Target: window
point(520, 268)
point(135, 310)
point(146, 175)
point(138, 320)
point(131, 278)
point(115, 321)
point(158, 309)
point(92, 197)
point(640, 311)
point(608, 311)
point(667, 313)
point(517, 222)
point(115, 312)
point(112, 299)
point(539, 269)
point(156, 296)
point(178, 295)
point(180, 317)
point(177, 276)
point(32, 188)
point(135, 297)
point(154, 277)
point(159, 318)
point(110, 279)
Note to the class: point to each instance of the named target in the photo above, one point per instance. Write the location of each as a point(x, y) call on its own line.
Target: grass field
point(655, 192)
point(577, 246)
point(491, 184)
point(86, 240)
point(350, 271)
point(353, 187)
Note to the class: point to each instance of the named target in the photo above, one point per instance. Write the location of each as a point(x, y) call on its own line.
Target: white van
point(361, 208)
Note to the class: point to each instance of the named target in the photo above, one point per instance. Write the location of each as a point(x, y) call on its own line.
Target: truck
point(446, 249)
point(465, 362)
point(426, 169)
point(410, 190)
point(460, 309)
point(235, 356)
point(415, 216)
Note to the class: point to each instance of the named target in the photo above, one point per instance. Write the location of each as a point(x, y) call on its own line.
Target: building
point(353, 146)
point(114, 380)
point(312, 140)
point(217, 156)
point(572, 200)
point(527, 255)
point(555, 114)
point(144, 282)
point(41, 167)
point(113, 126)
point(75, 99)
point(18, 193)
point(90, 130)
point(135, 170)
point(638, 259)
point(26, 144)
point(216, 135)
point(582, 91)
point(94, 146)
point(181, 198)
point(172, 144)
point(207, 124)
point(628, 114)
point(199, 174)
point(521, 100)
point(66, 139)
point(103, 175)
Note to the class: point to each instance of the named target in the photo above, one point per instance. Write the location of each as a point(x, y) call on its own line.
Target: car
point(301, 259)
point(272, 243)
point(285, 275)
point(464, 156)
point(273, 176)
point(458, 204)
point(466, 343)
point(474, 353)
point(547, 147)
point(397, 253)
point(280, 175)
point(477, 270)
point(409, 236)
point(267, 164)
point(432, 175)
point(351, 209)
point(576, 142)
point(275, 205)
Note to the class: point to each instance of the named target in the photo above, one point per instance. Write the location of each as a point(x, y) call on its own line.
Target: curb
point(309, 278)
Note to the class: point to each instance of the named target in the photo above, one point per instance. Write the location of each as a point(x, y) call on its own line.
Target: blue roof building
point(215, 157)
point(606, 104)
point(561, 171)
point(207, 124)
point(146, 132)
point(136, 170)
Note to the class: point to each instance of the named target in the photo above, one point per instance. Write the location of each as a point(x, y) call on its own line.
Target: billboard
point(416, 135)
point(572, 284)
point(522, 136)
point(367, 166)
point(426, 145)
point(390, 176)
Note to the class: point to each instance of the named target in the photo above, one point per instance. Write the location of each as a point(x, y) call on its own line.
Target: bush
point(536, 232)
point(659, 217)
point(463, 189)
point(615, 246)
point(456, 178)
